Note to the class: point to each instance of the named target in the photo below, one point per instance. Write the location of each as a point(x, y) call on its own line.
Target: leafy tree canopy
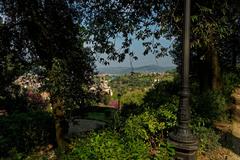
point(45, 33)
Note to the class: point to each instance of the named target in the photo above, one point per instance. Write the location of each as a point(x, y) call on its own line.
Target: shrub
point(161, 93)
point(207, 136)
point(108, 145)
point(14, 154)
point(165, 151)
point(25, 131)
point(152, 127)
point(210, 105)
point(133, 98)
point(168, 113)
point(151, 123)
point(113, 145)
point(14, 99)
point(36, 101)
point(141, 137)
point(230, 82)
point(17, 99)
point(143, 126)
point(132, 102)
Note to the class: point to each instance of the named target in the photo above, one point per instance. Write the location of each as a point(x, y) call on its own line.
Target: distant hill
point(142, 69)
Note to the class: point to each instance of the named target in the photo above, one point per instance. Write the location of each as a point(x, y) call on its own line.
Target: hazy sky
point(142, 60)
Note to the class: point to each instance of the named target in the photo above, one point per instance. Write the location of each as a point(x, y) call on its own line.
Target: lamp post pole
point(185, 143)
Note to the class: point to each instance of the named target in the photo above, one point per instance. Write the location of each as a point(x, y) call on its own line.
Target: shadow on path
point(231, 139)
point(231, 142)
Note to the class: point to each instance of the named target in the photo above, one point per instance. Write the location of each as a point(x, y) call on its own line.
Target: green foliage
point(103, 98)
point(17, 99)
point(166, 151)
point(106, 99)
point(25, 131)
point(14, 154)
point(112, 145)
point(152, 112)
point(150, 21)
point(207, 136)
point(139, 137)
point(162, 93)
point(131, 102)
point(108, 145)
point(151, 122)
point(133, 98)
point(35, 101)
point(137, 81)
point(230, 81)
point(210, 105)
point(63, 80)
point(168, 114)
point(135, 92)
point(13, 100)
point(143, 126)
point(46, 37)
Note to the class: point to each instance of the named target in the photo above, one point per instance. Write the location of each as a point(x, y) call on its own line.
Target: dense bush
point(132, 102)
point(207, 136)
point(133, 98)
point(112, 145)
point(25, 131)
point(36, 101)
point(151, 123)
point(18, 99)
point(143, 126)
point(14, 99)
point(161, 93)
point(140, 137)
point(152, 127)
point(230, 82)
point(108, 145)
point(137, 81)
point(210, 105)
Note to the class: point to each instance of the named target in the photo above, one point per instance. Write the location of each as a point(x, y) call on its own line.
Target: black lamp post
point(185, 143)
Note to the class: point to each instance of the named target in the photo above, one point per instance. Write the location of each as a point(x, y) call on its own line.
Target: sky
point(142, 60)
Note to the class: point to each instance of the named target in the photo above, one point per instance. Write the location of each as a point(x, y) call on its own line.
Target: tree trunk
point(215, 71)
point(234, 60)
point(209, 72)
point(204, 76)
point(61, 125)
